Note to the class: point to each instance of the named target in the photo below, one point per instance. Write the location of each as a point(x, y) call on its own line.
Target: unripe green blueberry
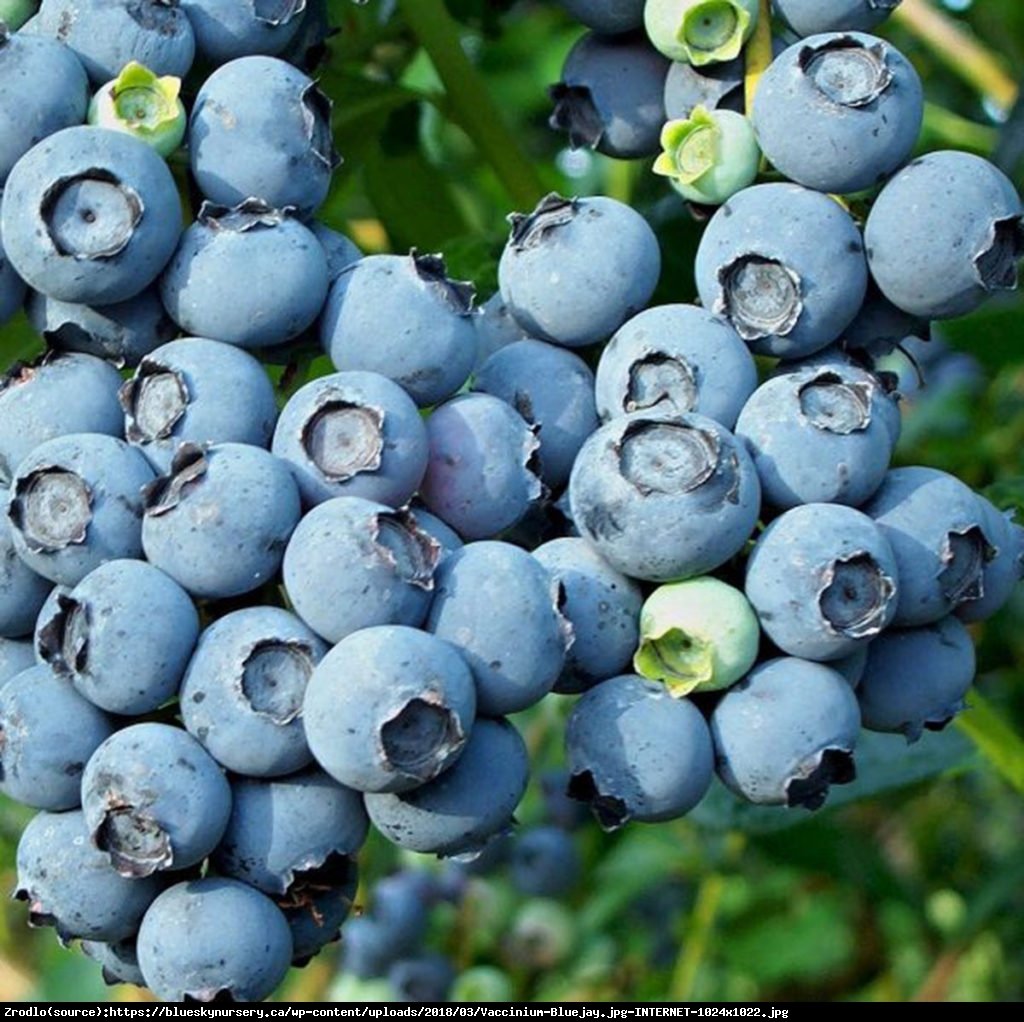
point(482, 983)
point(542, 935)
point(14, 13)
point(700, 32)
point(710, 156)
point(139, 103)
point(696, 635)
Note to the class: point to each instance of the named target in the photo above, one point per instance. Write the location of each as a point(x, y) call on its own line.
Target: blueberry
point(880, 329)
point(542, 936)
point(197, 391)
point(808, 17)
point(213, 941)
point(785, 265)
point(69, 884)
point(610, 97)
point(937, 530)
point(389, 708)
point(713, 86)
point(608, 16)
point(664, 498)
point(916, 678)
point(123, 636)
point(444, 535)
point(1005, 567)
point(243, 690)
point(495, 328)
point(90, 216)
point(107, 34)
point(560, 810)
point(604, 256)
point(402, 317)
point(852, 666)
point(75, 502)
point(700, 31)
point(219, 522)
point(637, 753)
point(248, 275)
point(352, 563)
point(120, 334)
point(483, 472)
point(427, 978)
point(154, 800)
point(944, 234)
point(823, 580)
point(700, 634)
point(47, 732)
point(226, 29)
point(12, 287)
point(552, 389)
point(15, 656)
point(261, 129)
point(461, 810)
point(839, 112)
point(22, 591)
point(786, 733)
point(366, 948)
point(501, 608)
point(143, 105)
point(315, 917)
point(43, 88)
point(819, 436)
point(545, 862)
point(675, 359)
point(399, 905)
point(117, 959)
point(353, 434)
point(339, 250)
point(601, 604)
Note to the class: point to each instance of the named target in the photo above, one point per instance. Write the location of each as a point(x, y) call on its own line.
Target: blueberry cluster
point(232, 636)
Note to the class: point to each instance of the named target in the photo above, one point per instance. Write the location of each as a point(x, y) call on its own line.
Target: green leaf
point(995, 739)
point(18, 342)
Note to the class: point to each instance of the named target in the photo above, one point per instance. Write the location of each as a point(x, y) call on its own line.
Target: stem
point(997, 741)
point(959, 49)
point(960, 132)
point(758, 54)
point(470, 102)
point(698, 935)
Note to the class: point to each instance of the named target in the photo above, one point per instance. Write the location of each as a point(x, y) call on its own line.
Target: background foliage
point(914, 889)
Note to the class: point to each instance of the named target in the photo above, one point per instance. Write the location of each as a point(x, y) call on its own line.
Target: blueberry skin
point(808, 17)
point(261, 129)
point(339, 250)
point(22, 591)
point(352, 563)
point(610, 97)
point(69, 884)
point(916, 678)
point(366, 948)
point(936, 528)
point(838, 112)
point(12, 287)
point(1003, 570)
point(389, 708)
point(608, 16)
point(75, 502)
point(399, 905)
point(226, 29)
point(664, 526)
point(120, 334)
point(90, 216)
point(819, 436)
point(196, 391)
point(57, 395)
point(880, 328)
point(482, 474)
point(636, 753)
point(823, 580)
point(154, 799)
point(317, 920)
point(43, 88)
point(249, 275)
point(458, 812)
point(107, 34)
point(218, 524)
point(242, 693)
point(944, 234)
point(552, 389)
point(713, 86)
point(15, 656)
point(785, 265)
point(123, 637)
point(47, 733)
point(545, 862)
point(602, 253)
point(213, 939)
point(495, 328)
point(287, 837)
point(117, 960)
point(852, 667)
point(426, 978)
point(402, 317)
point(500, 607)
point(603, 607)
point(675, 359)
point(353, 434)
point(786, 732)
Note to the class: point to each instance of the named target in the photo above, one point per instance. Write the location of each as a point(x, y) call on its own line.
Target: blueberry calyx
point(658, 379)
point(250, 214)
point(846, 72)
point(166, 492)
point(559, 598)
point(276, 12)
point(529, 229)
point(91, 215)
point(63, 640)
point(153, 399)
point(420, 737)
point(964, 555)
point(316, 115)
point(343, 438)
point(713, 31)
point(576, 114)
point(38, 917)
point(810, 783)
point(996, 264)
point(273, 678)
point(834, 405)
point(411, 551)
point(137, 845)
point(761, 297)
point(682, 660)
point(431, 269)
point(302, 884)
point(667, 457)
point(855, 596)
point(52, 508)
point(610, 811)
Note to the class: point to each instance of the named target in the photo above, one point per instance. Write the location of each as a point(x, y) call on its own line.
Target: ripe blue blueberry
point(1003, 570)
point(663, 498)
point(785, 265)
point(117, 960)
point(366, 950)
point(880, 328)
point(808, 17)
point(786, 733)
point(545, 862)
point(316, 917)
point(495, 328)
point(604, 256)
point(22, 591)
point(426, 978)
point(637, 753)
point(12, 287)
point(15, 656)
point(607, 16)
point(674, 359)
point(389, 708)
point(226, 29)
point(339, 250)
point(399, 905)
